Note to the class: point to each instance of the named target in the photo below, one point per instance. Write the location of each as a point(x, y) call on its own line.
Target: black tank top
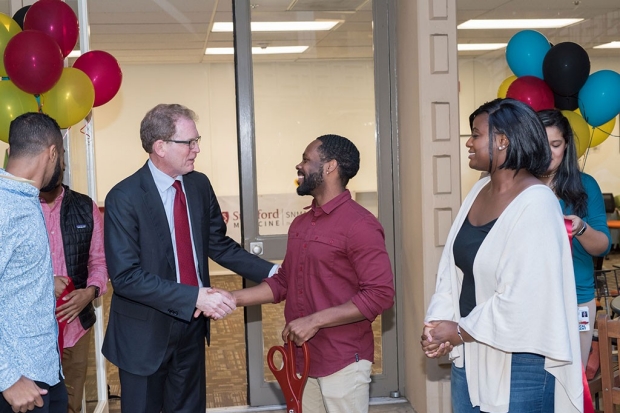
point(466, 245)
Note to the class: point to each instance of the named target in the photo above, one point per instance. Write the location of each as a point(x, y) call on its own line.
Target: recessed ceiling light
point(517, 23)
point(467, 47)
point(280, 26)
point(611, 45)
point(259, 50)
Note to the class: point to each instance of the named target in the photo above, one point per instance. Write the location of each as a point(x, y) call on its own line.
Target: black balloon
point(565, 102)
point(20, 15)
point(566, 68)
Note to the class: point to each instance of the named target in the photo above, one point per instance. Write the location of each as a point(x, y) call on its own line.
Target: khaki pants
point(74, 364)
point(345, 391)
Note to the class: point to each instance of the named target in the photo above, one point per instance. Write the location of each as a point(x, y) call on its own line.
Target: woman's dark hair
point(529, 147)
point(566, 183)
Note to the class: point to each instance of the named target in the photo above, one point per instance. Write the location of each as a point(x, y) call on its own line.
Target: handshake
point(214, 303)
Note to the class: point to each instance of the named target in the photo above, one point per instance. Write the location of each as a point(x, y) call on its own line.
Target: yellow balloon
point(8, 29)
point(503, 88)
point(71, 98)
point(602, 132)
point(581, 131)
point(13, 102)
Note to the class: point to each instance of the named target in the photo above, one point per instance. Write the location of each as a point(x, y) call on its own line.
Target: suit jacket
point(141, 265)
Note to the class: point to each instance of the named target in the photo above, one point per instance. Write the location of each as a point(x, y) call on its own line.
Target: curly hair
point(344, 152)
point(159, 123)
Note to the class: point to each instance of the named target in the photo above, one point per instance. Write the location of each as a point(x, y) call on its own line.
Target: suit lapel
point(194, 204)
point(155, 210)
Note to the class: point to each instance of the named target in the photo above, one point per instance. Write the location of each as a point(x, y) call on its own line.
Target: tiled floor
point(225, 358)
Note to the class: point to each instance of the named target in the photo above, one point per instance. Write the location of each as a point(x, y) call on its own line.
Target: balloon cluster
point(558, 76)
point(33, 46)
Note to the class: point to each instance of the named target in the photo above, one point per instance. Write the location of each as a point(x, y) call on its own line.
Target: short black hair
point(528, 148)
point(344, 152)
point(160, 123)
point(32, 133)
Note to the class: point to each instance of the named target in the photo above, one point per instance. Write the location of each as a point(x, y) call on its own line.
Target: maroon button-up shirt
point(335, 253)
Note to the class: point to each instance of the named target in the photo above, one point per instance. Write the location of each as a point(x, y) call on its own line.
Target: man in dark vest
point(75, 230)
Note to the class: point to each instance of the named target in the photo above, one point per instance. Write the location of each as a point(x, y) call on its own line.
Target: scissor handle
point(270, 357)
point(292, 385)
point(306, 351)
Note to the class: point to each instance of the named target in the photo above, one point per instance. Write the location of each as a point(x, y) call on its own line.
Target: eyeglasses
point(192, 143)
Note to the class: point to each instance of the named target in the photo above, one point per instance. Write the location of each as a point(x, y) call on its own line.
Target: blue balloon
point(526, 52)
point(599, 97)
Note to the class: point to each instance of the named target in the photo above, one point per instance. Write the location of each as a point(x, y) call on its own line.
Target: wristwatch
point(582, 230)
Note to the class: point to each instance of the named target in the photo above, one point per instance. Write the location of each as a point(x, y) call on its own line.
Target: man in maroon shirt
point(336, 274)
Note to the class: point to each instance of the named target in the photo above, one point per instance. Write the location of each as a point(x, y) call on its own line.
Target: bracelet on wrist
point(458, 331)
point(582, 230)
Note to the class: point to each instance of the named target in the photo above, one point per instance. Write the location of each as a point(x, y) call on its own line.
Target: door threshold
point(374, 401)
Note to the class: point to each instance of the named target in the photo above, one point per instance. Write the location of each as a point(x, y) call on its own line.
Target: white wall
point(479, 80)
point(294, 103)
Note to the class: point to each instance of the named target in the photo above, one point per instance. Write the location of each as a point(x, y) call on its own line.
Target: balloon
point(57, 19)
point(599, 98)
point(105, 73)
point(20, 15)
point(565, 102)
point(71, 99)
point(525, 53)
point(533, 91)
point(503, 88)
point(581, 131)
point(33, 61)
point(8, 29)
point(566, 68)
point(13, 102)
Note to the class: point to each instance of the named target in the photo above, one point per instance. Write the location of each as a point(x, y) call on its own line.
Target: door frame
point(273, 247)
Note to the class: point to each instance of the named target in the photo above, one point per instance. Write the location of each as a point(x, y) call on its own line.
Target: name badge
point(584, 319)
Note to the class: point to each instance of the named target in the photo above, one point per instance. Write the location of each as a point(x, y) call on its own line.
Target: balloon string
point(82, 130)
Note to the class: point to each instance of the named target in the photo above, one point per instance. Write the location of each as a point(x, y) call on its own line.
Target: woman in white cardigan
point(504, 305)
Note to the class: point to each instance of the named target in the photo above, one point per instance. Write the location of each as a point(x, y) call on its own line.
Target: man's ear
point(52, 152)
point(331, 166)
point(158, 148)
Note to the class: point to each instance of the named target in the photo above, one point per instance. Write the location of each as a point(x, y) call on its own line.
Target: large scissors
point(291, 383)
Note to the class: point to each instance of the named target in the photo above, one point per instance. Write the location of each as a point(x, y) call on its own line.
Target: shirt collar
point(333, 204)
point(58, 199)
point(162, 181)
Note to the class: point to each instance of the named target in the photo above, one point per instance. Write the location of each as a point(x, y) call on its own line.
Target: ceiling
point(178, 31)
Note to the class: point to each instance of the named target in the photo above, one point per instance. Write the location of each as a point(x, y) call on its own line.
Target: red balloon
point(33, 61)
point(105, 73)
point(533, 91)
point(57, 19)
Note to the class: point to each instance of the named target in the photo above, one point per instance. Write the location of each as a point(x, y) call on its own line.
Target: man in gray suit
point(161, 225)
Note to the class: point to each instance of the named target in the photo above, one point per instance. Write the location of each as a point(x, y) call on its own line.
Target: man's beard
point(55, 181)
point(310, 182)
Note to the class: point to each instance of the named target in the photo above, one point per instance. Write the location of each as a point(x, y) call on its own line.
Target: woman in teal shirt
point(582, 202)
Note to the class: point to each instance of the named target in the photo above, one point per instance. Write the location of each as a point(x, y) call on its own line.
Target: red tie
point(185, 254)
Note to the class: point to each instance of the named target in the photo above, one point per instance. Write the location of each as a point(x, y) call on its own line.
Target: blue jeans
point(531, 387)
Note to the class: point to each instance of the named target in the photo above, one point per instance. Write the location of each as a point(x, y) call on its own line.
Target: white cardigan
point(525, 295)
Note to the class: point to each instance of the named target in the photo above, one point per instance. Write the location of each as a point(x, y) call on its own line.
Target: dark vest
point(76, 226)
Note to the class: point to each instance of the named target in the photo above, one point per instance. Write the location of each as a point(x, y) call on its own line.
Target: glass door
point(305, 69)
